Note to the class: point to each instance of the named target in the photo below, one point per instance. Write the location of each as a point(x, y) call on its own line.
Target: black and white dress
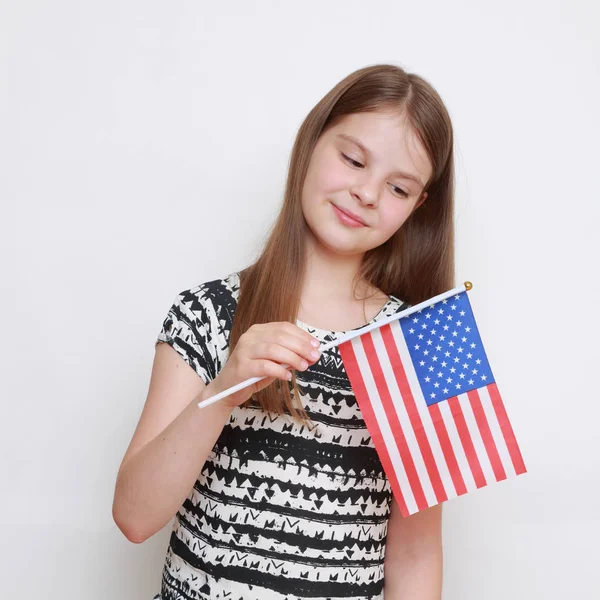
point(279, 511)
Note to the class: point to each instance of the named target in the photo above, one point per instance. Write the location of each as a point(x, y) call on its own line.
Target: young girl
point(277, 490)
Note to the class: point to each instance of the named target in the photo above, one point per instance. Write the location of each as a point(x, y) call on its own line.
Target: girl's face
point(365, 177)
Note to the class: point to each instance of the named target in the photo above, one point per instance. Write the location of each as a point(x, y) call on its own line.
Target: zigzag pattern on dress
point(280, 510)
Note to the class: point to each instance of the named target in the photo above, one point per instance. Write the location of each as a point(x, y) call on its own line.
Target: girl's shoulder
point(215, 295)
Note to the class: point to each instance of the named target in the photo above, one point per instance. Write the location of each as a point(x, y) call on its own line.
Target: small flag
point(432, 406)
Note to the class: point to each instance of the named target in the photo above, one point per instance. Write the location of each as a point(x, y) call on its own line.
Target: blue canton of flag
point(446, 349)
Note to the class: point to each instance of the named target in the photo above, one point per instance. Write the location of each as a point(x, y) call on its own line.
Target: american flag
point(426, 391)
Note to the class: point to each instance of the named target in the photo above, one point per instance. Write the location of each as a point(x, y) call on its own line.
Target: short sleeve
point(188, 329)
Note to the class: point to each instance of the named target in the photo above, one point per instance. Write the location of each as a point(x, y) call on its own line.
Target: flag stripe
point(413, 413)
point(457, 447)
point(440, 428)
point(467, 443)
point(476, 438)
point(392, 417)
point(366, 407)
point(486, 434)
point(486, 403)
point(507, 430)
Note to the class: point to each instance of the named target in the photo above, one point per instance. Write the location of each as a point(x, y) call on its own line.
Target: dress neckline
point(390, 307)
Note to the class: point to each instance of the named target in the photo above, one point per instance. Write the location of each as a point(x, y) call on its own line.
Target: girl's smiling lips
point(347, 217)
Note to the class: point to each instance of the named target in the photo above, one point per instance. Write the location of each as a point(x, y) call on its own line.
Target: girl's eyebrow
point(353, 140)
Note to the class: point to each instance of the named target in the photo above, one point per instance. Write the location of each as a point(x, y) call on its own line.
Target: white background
point(144, 149)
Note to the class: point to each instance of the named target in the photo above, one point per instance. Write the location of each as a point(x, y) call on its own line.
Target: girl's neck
point(331, 298)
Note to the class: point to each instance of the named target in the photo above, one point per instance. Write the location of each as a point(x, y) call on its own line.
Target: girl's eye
point(399, 191)
point(350, 160)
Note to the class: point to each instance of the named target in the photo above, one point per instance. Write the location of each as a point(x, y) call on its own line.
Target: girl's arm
point(168, 449)
point(413, 555)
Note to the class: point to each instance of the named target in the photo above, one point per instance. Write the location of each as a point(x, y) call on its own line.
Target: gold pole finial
point(468, 285)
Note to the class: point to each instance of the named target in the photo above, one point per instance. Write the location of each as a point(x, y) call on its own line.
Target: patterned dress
point(280, 510)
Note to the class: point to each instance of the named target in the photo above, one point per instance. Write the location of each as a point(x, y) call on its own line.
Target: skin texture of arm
point(168, 449)
point(413, 556)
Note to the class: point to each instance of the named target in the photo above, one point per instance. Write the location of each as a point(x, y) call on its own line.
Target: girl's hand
point(263, 350)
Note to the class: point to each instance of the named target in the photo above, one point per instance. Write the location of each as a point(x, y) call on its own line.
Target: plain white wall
point(144, 148)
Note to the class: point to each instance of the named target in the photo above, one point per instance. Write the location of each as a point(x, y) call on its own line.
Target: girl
point(277, 490)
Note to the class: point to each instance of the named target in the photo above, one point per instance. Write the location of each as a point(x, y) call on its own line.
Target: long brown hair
point(417, 262)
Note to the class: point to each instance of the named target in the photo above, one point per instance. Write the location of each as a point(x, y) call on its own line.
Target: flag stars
point(411, 330)
point(452, 370)
point(437, 321)
point(429, 342)
point(484, 377)
point(427, 379)
point(436, 385)
point(471, 382)
point(417, 346)
point(462, 375)
point(460, 350)
point(446, 390)
point(458, 323)
point(424, 326)
point(441, 311)
point(449, 317)
point(415, 319)
point(454, 307)
point(421, 336)
point(434, 358)
point(454, 333)
point(467, 329)
point(446, 327)
point(458, 386)
point(432, 395)
point(462, 313)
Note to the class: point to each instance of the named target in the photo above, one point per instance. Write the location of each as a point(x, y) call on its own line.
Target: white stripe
point(459, 452)
point(384, 426)
point(424, 413)
point(405, 424)
point(490, 413)
point(477, 439)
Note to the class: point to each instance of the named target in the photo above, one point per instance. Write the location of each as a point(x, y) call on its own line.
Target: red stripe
point(392, 417)
point(446, 444)
point(412, 410)
point(467, 442)
point(486, 435)
point(364, 402)
point(507, 431)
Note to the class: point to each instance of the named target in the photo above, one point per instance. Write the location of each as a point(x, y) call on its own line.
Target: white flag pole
point(403, 313)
